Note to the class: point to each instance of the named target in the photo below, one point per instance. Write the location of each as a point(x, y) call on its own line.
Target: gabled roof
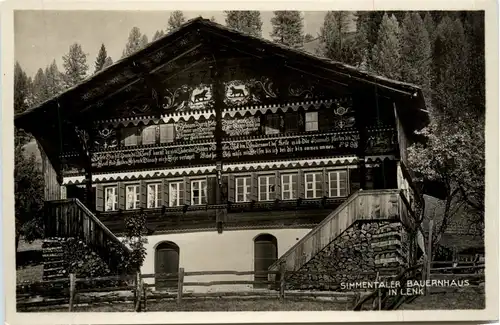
point(44, 120)
point(121, 74)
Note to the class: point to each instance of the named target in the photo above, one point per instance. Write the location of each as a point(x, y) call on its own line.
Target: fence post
point(144, 289)
point(429, 256)
point(72, 289)
point(282, 280)
point(180, 285)
point(138, 290)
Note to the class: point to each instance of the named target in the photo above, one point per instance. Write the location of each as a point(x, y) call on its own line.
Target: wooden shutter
point(211, 190)
point(230, 188)
point(143, 194)
point(182, 195)
point(99, 201)
point(300, 184)
point(121, 196)
point(165, 188)
point(187, 191)
point(277, 187)
point(254, 187)
point(326, 183)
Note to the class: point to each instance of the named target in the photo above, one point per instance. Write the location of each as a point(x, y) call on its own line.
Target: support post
point(282, 281)
point(359, 103)
point(138, 290)
point(429, 256)
point(180, 285)
point(72, 289)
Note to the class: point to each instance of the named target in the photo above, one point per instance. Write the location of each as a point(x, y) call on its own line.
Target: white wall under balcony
point(209, 251)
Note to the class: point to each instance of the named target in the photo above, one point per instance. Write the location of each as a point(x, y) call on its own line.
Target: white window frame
point(311, 121)
point(137, 196)
point(202, 199)
point(268, 193)
point(336, 188)
point(316, 192)
point(177, 200)
point(291, 190)
point(115, 199)
point(247, 188)
point(157, 196)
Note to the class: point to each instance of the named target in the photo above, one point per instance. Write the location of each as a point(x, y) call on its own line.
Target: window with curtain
point(175, 193)
point(110, 198)
point(272, 124)
point(154, 197)
point(132, 197)
point(129, 136)
point(199, 192)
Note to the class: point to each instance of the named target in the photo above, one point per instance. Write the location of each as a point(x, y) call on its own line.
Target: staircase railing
point(361, 205)
point(71, 218)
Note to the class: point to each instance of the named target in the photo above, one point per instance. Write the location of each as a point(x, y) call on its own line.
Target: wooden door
point(265, 254)
point(166, 261)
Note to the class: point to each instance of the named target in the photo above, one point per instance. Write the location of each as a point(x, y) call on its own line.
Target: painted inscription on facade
point(136, 158)
point(242, 126)
point(295, 146)
point(194, 131)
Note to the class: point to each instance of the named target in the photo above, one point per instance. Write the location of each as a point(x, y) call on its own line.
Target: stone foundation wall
point(365, 248)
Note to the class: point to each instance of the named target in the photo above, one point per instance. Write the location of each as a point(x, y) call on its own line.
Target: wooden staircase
point(70, 218)
point(361, 206)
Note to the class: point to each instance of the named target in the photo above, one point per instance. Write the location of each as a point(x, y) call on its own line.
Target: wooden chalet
point(210, 130)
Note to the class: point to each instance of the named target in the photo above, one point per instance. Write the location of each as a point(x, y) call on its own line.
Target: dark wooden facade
point(209, 129)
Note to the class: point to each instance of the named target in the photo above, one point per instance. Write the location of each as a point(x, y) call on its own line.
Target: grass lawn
point(29, 264)
point(448, 301)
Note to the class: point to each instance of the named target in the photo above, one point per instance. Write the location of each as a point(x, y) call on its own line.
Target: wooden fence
point(74, 291)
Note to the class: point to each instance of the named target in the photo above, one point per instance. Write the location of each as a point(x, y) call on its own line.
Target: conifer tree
point(108, 62)
point(75, 65)
point(144, 41)
point(175, 20)
point(288, 28)
point(55, 80)
point(308, 38)
point(334, 36)
point(134, 43)
point(158, 34)
point(415, 52)
point(430, 26)
point(101, 58)
point(248, 22)
point(39, 91)
point(449, 69)
point(212, 19)
point(21, 89)
point(386, 54)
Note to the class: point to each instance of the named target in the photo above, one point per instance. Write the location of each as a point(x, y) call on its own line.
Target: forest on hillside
point(441, 52)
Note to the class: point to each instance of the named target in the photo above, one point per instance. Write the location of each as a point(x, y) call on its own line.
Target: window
point(265, 254)
point(110, 198)
point(291, 122)
point(314, 185)
point(312, 121)
point(167, 133)
point(149, 134)
point(154, 195)
point(242, 189)
point(272, 124)
point(132, 197)
point(199, 192)
point(338, 183)
point(129, 136)
point(266, 187)
point(176, 194)
point(288, 186)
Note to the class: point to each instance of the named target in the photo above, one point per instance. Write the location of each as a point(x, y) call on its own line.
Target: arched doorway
point(265, 254)
point(166, 261)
